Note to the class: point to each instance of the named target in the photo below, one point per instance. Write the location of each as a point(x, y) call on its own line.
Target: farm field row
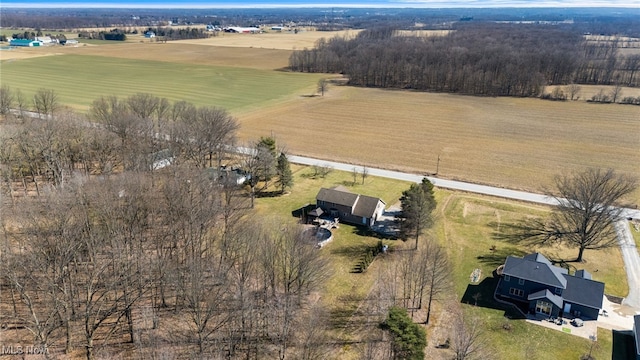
point(80, 79)
point(510, 142)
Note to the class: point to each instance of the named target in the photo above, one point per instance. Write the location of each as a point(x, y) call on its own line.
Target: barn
point(24, 42)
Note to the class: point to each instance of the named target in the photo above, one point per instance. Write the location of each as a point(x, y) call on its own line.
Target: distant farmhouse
point(25, 42)
point(149, 34)
point(339, 202)
point(242, 30)
point(545, 289)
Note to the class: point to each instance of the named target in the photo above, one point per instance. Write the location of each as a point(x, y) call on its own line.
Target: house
point(351, 208)
point(533, 282)
point(24, 42)
point(229, 175)
point(45, 40)
point(636, 334)
point(149, 34)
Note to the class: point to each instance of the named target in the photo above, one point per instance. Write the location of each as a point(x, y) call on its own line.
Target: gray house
point(549, 290)
point(636, 334)
point(351, 208)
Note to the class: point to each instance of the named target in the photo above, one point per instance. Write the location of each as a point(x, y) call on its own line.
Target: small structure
point(149, 34)
point(351, 208)
point(230, 175)
point(161, 159)
point(44, 40)
point(242, 30)
point(69, 42)
point(533, 282)
point(24, 42)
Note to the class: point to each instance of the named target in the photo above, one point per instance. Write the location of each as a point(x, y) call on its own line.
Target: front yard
point(468, 226)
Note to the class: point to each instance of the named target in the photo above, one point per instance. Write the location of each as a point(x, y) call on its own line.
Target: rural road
point(625, 239)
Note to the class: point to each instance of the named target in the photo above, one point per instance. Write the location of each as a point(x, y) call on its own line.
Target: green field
point(79, 80)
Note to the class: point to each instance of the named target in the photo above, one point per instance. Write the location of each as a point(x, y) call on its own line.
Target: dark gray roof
point(583, 274)
point(583, 292)
point(337, 196)
point(536, 268)
point(546, 294)
point(636, 332)
point(362, 205)
point(366, 206)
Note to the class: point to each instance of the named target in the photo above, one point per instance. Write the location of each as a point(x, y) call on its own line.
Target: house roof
point(366, 206)
point(546, 294)
point(337, 196)
point(583, 291)
point(535, 267)
point(361, 205)
point(583, 274)
point(636, 332)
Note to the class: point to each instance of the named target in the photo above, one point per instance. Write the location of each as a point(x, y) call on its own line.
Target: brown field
point(511, 142)
point(285, 40)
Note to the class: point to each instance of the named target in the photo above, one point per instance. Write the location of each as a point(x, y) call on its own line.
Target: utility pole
point(437, 165)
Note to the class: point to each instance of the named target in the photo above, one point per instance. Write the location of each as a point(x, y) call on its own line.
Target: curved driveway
point(625, 239)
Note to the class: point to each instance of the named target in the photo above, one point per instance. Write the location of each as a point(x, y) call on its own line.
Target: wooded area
point(478, 59)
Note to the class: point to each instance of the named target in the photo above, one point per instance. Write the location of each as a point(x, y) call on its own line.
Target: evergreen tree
point(285, 176)
point(417, 205)
point(409, 339)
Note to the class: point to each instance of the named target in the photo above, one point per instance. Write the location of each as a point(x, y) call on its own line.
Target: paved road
point(631, 263)
point(627, 245)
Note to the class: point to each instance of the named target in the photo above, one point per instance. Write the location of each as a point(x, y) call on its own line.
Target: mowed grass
point(79, 80)
point(344, 290)
point(468, 226)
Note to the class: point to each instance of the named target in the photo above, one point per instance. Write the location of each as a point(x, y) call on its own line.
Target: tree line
point(477, 59)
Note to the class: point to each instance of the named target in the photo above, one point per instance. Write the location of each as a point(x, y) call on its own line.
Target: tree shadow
point(498, 256)
point(365, 231)
point(482, 295)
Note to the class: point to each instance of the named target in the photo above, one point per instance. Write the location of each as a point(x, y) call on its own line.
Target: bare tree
point(574, 91)
point(438, 276)
point(323, 84)
point(588, 204)
point(616, 92)
point(467, 338)
point(364, 173)
point(45, 101)
point(7, 99)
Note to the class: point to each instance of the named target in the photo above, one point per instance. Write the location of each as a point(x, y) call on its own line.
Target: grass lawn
point(468, 225)
point(79, 80)
point(636, 234)
point(344, 290)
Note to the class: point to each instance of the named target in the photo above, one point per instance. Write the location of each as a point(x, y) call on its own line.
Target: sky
point(317, 3)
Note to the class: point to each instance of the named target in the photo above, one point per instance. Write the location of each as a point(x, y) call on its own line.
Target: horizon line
point(406, 4)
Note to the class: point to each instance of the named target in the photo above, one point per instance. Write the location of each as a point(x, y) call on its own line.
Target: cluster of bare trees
point(163, 262)
point(485, 59)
